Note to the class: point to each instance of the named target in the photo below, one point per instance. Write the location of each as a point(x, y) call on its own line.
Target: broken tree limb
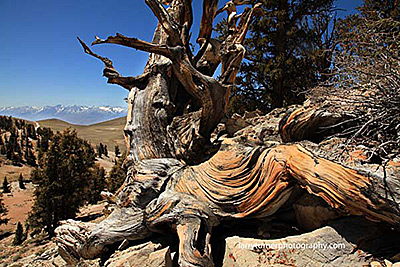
point(112, 74)
point(136, 44)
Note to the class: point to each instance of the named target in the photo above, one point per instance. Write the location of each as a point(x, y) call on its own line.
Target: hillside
point(19, 202)
point(109, 133)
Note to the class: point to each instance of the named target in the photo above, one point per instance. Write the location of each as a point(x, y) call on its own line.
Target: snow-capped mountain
point(83, 115)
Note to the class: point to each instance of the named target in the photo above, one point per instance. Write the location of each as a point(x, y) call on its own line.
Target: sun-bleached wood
point(178, 180)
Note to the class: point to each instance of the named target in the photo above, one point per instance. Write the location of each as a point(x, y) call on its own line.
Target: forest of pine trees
point(65, 174)
point(66, 178)
point(102, 150)
point(16, 137)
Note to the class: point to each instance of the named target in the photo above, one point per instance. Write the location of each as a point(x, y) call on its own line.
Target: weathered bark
point(310, 123)
point(174, 182)
point(237, 182)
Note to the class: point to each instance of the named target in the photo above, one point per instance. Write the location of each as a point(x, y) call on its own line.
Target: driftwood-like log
point(178, 180)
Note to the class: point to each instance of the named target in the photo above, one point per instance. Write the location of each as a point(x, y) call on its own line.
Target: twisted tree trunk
point(177, 179)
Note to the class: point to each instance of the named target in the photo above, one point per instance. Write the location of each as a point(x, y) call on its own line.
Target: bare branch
point(112, 74)
point(136, 44)
point(107, 62)
point(168, 23)
point(233, 50)
point(244, 23)
point(187, 22)
point(129, 82)
point(206, 26)
point(201, 51)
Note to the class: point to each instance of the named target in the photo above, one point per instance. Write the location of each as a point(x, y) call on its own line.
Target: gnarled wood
point(237, 182)
point(112, 74)
point(310, 123)
point(174, 106)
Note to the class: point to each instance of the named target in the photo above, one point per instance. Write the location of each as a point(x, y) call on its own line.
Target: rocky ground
point(332, 245)
point(19, 203)
point(304, 233)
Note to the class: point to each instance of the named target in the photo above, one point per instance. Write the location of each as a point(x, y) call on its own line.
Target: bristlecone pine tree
point(117, 175)
point(177, 179)
point(13, 147)
point(21, 182)
point(117, 151)
point(6, 123)
point(45, 134)
point(3, 211)
point(100, 150)
point(97, 184)
point(288, 51)
point(105, 151)
point(6, 186)
point(62, 175)
point(19, 235)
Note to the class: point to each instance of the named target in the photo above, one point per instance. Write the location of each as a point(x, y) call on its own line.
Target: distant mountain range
point(82, 115)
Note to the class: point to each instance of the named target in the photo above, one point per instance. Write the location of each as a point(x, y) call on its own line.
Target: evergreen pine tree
point(6, 186)
point(26, 152)
point(19, 235)
point(22, 141)
point(287, 51)
point(97, 184)
point(117, 175)
point(117, 151)
point(6, 123)
point(105, 151)
point(63, 173)
point(31, 132)
point(100, 150)
point(2, 145)
point(11, 144)
point(45, 134)
point(21, 182)
point(30, 156)
point(3, 211)
point(13, 148)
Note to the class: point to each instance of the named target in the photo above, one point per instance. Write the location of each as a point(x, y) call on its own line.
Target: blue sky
point(41, 62)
